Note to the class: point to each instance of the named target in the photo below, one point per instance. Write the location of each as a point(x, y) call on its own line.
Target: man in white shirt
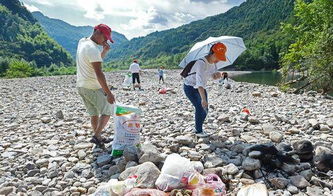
point(91, 82)
point(135, 70)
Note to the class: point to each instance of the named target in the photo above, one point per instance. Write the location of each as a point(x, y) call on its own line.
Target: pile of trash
point(178, 177)
point(263, 166)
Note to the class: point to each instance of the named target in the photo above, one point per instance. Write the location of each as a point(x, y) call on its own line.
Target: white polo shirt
point(87, 53)
point(204, 70)
point(134, 68)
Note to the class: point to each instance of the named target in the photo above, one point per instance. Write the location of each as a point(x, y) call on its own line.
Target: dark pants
point(161, 78)
point(200, 113)
point(135, 76)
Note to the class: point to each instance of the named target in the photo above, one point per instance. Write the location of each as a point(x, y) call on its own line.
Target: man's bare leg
point(94, 123)
point(98, 124)
point(102, 121)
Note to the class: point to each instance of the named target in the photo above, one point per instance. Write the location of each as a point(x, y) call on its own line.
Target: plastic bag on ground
point(166, 90)
point(162, 91)
point(253, 190)
point(115, 187)
point(127, 81)
point(174, 173)
point(104, 190)
point(204, 191)
point(127, 128)
point(111, 188)
point(195, 180)
point(215, 182)
point(145, 192)
point(213, 187)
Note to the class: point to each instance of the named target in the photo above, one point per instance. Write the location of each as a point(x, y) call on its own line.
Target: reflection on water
point(269, 78)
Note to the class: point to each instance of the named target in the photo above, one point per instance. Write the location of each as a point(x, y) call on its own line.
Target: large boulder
point(149, 153)
point(184, 140)
point(267, 128)
point(279, 183)
point(131, 153)
point(147, 174)
point(253, 190)
point(103, 160)
point(299, 181)
point(275, 136)
point(323, 158)
point(251, 164)
point(304, 150)
point(212, 161)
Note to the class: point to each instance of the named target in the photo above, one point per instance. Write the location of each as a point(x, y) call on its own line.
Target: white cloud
point(133, 17)
point(31, 8)
point(41, 2)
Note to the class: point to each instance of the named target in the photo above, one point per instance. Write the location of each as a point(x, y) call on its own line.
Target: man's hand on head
point(106, 47)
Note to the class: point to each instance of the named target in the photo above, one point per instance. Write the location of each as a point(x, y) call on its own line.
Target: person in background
point(196, 81)
point(225, 80)
point(91, 82)
point(225, 76)
point(136, 72)
point(161, 75)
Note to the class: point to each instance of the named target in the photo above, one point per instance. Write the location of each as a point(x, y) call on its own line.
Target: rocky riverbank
point(45, 135)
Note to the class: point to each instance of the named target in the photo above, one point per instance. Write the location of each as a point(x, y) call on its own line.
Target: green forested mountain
point(16, 8)
point(257, 21)
point(68, 35)
point(21, 37)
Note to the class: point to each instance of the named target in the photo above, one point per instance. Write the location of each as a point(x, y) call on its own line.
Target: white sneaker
point(202, 134)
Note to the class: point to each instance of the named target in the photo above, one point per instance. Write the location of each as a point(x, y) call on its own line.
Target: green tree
point(19, 69)
point(4, 65)
point(311, 53)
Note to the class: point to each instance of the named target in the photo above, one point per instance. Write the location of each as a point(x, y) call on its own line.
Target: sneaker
point(202, 134)
point(98, 142)
point(106, 140)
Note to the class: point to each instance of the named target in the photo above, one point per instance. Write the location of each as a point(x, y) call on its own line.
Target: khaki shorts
point(95, 101)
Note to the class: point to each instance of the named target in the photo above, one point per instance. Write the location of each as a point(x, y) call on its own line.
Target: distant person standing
point(161, 75)
point(225, 76)
point(136, 71)
point(91, 82)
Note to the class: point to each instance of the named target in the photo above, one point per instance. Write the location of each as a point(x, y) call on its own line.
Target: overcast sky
point(132, 18)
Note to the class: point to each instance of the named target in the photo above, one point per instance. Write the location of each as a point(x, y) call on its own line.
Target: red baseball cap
point(106, 30)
